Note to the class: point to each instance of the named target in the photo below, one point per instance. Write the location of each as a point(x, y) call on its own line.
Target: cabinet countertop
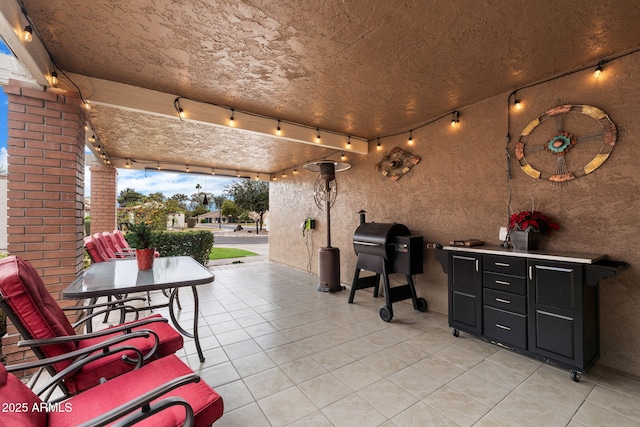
point(578, 257)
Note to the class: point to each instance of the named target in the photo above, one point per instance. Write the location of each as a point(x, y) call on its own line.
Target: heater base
point(329, 270)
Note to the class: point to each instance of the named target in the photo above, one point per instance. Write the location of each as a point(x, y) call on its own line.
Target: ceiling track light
point(27, 34)
point(455, 118)
point(278, 130)
point(410, 140)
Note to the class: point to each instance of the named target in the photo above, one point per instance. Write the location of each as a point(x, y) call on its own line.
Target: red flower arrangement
point(532, 221)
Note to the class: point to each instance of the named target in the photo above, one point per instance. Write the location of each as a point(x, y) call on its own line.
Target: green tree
point(156, 197)
point(181, 200)
point(250, 195)
point(230, 209)
point(129, 197)
point(217, 202)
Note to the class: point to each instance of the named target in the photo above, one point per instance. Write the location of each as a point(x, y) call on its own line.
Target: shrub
point(196, 244)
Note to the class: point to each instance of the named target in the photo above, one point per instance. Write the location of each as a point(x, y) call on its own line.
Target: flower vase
point(524, 241)
point(145, 258)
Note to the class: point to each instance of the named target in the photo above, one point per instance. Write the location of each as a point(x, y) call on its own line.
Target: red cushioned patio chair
point(39, 319)
point(162, 393)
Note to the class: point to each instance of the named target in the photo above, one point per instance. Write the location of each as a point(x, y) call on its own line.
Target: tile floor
point(280, 353)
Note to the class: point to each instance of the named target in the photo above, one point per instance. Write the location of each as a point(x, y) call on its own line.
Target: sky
point(143, 182)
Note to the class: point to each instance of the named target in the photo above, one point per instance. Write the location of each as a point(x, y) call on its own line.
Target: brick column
point(103, 198)
point(45, 189)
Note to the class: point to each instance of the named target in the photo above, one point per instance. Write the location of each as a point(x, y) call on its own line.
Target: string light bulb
point(54, 78)
point(128, 163)
point(27, 34)
point(598, 72)
point(455, 118)
point(181, 113)
point(158, 165)
point(379, 147)
point(278, 131)
point(187, 168)
point(213, 171)
point(410, 141)
point(517, 104)
point(295, 171)
point(237, 174)
point(318, 136)
point(349, 143)
point(343, 157)
point(87, 106)
point(231, 119)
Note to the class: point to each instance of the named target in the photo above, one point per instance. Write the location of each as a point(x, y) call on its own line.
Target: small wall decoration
point(397, 163)
point(575, 143)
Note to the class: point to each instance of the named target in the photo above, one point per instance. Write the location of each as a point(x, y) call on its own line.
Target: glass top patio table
point(118, 277)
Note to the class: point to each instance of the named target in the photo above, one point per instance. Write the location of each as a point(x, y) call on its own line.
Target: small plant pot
point(524, 241)
point(191, 222)
point(145, 258)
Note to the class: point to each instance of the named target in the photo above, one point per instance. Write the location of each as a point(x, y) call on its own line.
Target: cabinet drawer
point(505, 301)
point(505, 283)
point(505, 327)
point(505, 265)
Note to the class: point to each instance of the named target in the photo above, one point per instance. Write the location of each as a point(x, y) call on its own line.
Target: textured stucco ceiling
point(367, 68)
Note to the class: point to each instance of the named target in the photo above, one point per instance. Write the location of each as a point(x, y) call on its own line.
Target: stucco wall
point(459, 190)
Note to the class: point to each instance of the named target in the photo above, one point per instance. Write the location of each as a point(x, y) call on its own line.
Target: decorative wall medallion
point(575, 143)
point(397, 163)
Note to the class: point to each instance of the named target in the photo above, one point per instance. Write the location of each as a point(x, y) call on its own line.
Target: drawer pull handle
point(506, 301)
point(506, 328)
point(502, 264)
point(502, 282)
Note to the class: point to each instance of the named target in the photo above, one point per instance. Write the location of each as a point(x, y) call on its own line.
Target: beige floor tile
point(252, 364)
point(384, 363)
point(456, 405)
point(615, 402)
point(415, 382)
point(317, 419)
point(498, 374)
point(459, 357)
point(272, 340)
point(302, 370)
point(357, 375)
point(353, 411)
point(286, 407)
point(486, 392)
point(359, 348)
point(260, 329)
point(387, 397)
point(333, 358)
point(235, 395)
point(494, 419)
point(339, 336)
point(241, 349)
point(324, 390)
point(421, 415)
point(559, 378)
point(406, 352)
point(596, 416)
point(286, 353)
point(532, 413)
point(268, 382)
point(621, 383)
point(231, 337)
point(516, 362)
point(219, 374)
point(439, 368)
point(314, 344)
point(249, 415)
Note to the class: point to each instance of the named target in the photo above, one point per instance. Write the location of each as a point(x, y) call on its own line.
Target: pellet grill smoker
point(324, 194)
point(385, 249)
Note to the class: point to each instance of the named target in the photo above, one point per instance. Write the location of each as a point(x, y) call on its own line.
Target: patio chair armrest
point(71, 338)
point(76, 353)
point(120, 308)
point(147, 408)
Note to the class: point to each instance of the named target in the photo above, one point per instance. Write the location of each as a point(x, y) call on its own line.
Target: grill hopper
point(385, 249)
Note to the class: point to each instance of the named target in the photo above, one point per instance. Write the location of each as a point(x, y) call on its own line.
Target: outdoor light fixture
point(349, 142)
point(187, 168)
point(379, 147)
point(231, 120)
point(598, 72)
point(87, 106)
point(455, 118)
point(158, 165)
point(54, 78)
point(27, 34)
point(318, 137)
point(517, 104)
point(410, 141)
point(213, 171)
point(343, 157)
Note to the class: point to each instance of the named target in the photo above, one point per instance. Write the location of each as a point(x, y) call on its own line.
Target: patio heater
point(325, 193)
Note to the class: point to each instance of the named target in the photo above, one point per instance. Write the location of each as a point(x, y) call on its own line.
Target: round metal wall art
point(575, 143)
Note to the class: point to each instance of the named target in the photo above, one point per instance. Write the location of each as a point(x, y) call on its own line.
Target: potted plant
point(527, 228)
point(141, 238)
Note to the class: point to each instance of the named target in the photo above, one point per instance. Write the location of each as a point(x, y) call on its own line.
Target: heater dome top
point(317, 166)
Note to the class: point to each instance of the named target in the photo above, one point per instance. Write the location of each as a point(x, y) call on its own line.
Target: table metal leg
point(177, 325)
